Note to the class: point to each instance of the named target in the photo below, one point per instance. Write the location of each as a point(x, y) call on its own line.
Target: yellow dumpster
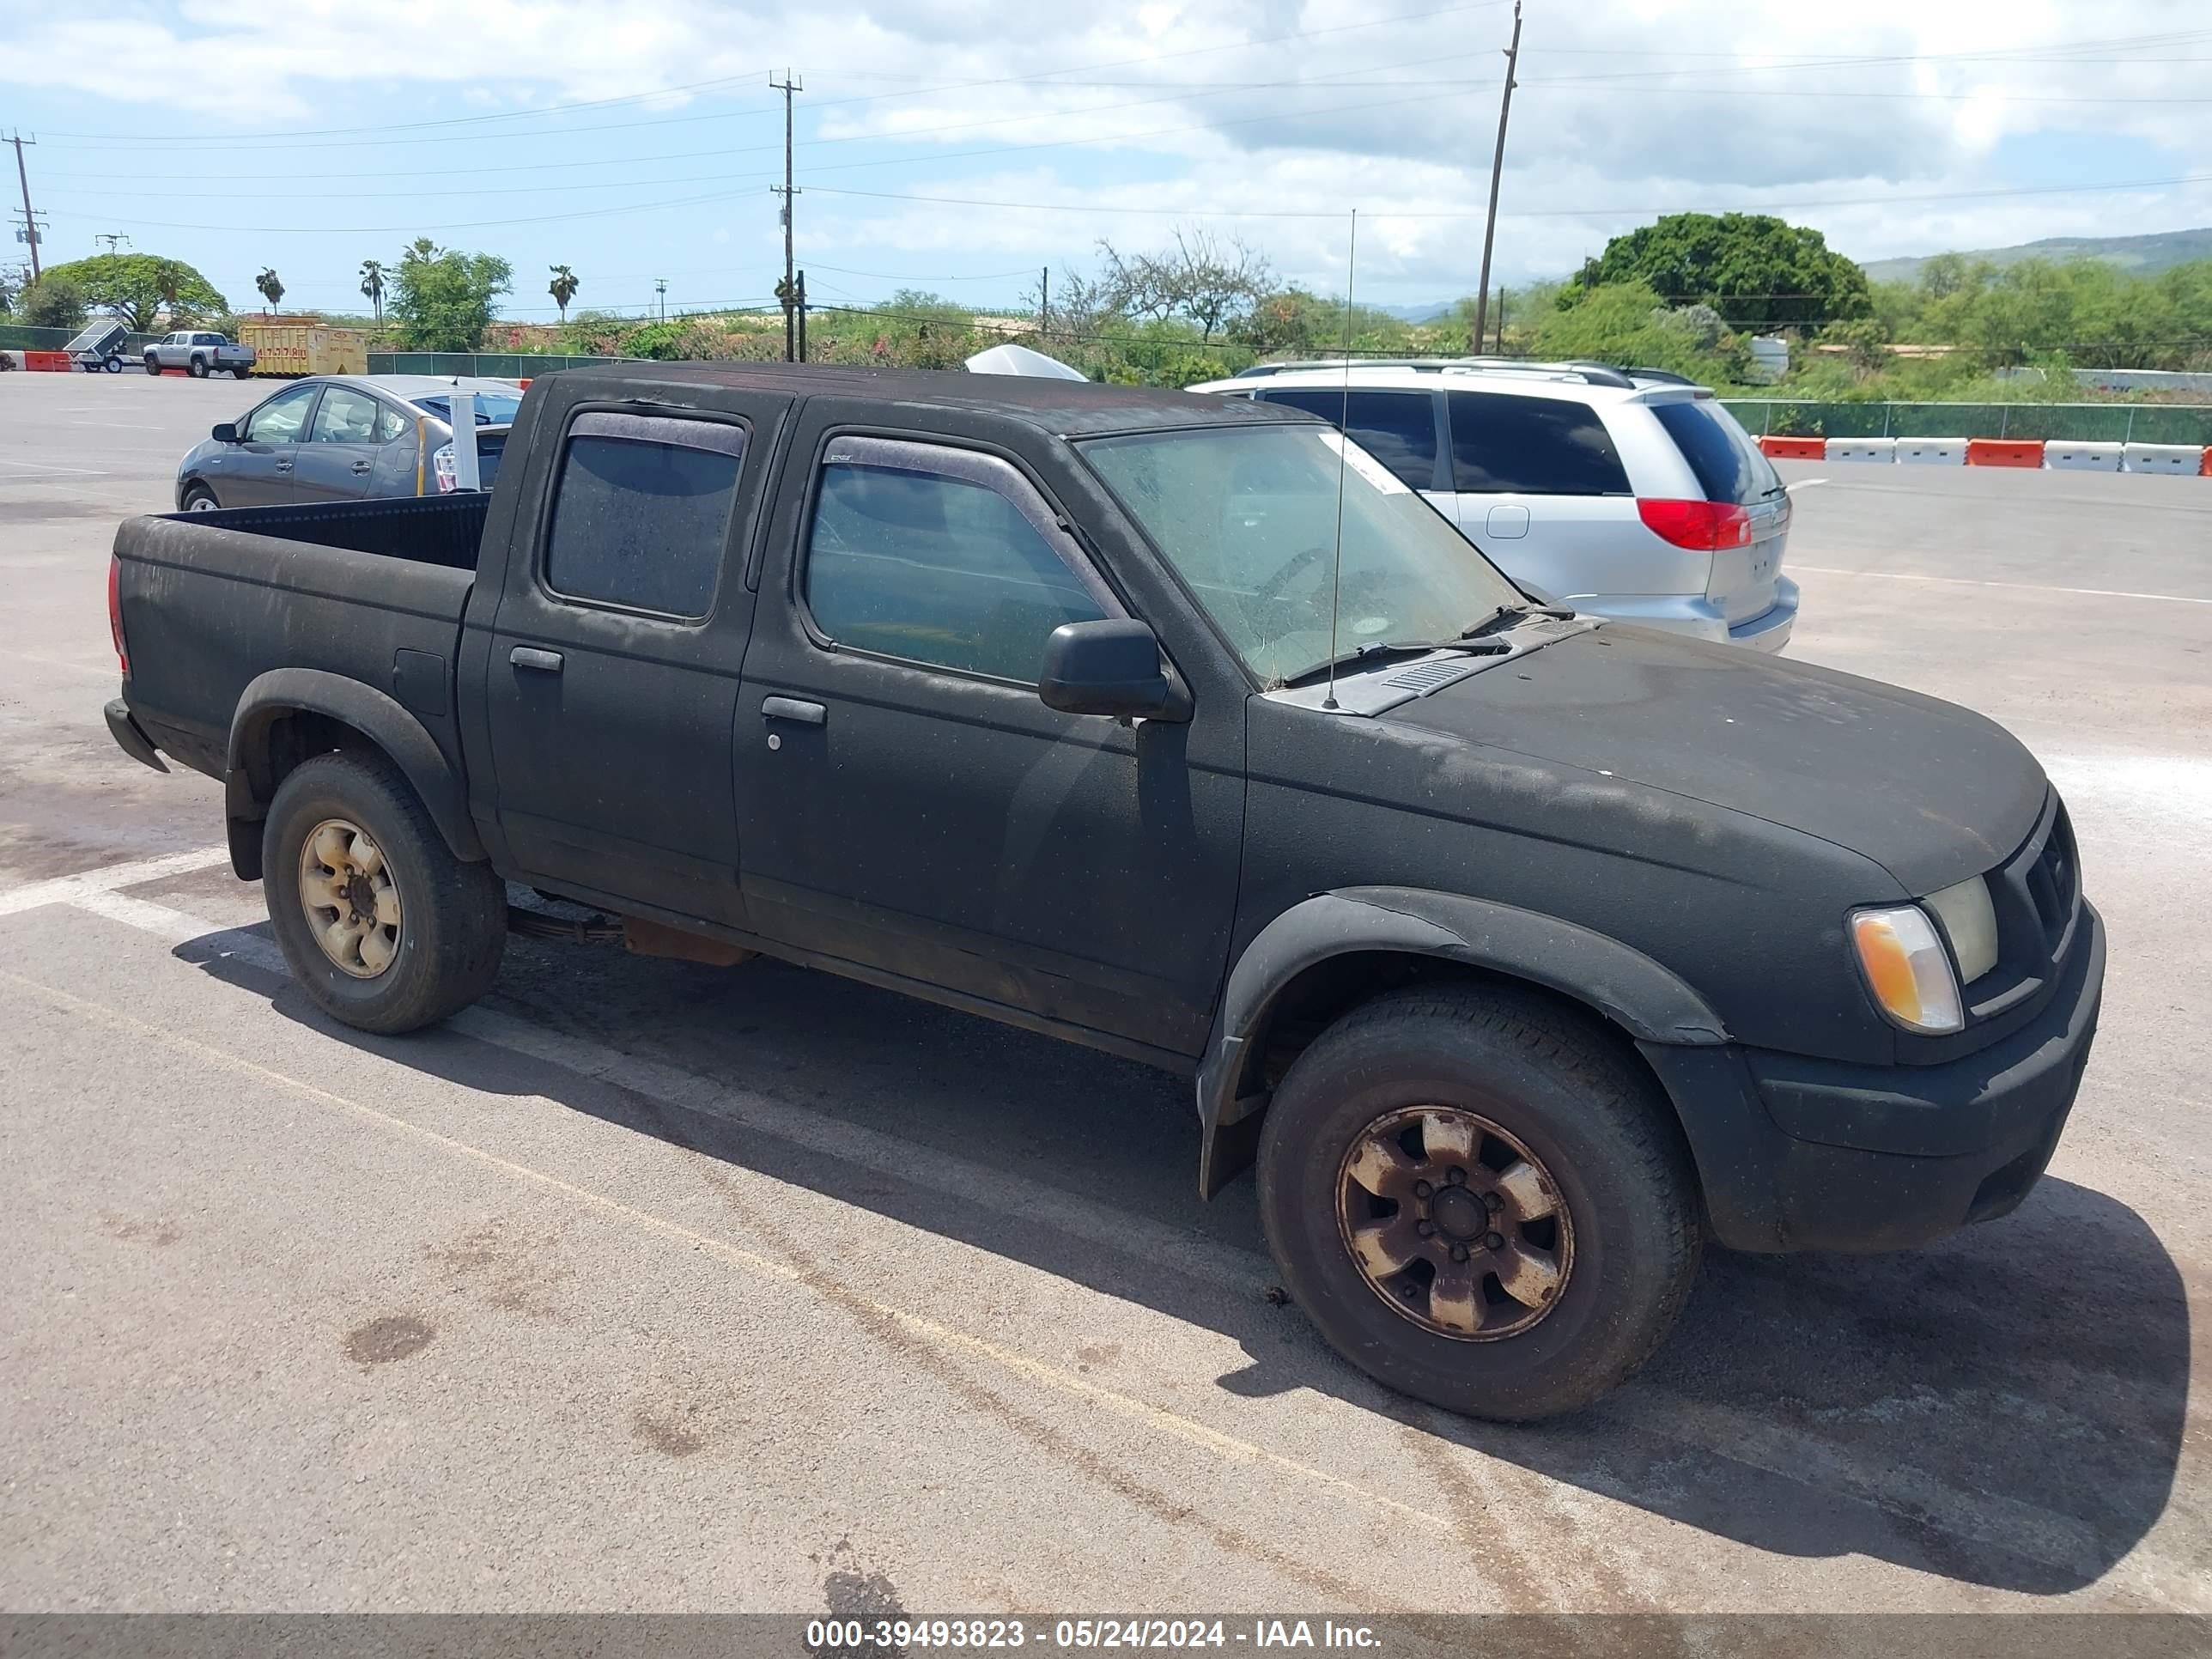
point(283, 348)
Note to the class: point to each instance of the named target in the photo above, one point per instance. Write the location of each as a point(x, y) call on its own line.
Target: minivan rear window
point(1726, 464)
point(1532, 446)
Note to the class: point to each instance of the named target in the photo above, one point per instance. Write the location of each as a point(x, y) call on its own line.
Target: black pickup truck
point(1523, 952)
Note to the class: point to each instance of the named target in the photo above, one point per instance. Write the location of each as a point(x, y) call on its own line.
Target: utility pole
point(114, 238)
point(1496, 167)
point(789, 295)
point(802, 316)
point(1044, 304)
point(1501, 320)
point(660, 296)
point(30, 222)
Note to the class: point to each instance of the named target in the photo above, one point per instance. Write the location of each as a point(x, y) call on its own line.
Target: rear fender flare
point(249, 783)
point(1616, 980)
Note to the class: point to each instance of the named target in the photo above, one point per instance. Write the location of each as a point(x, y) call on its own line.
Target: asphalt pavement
point(650, 1287)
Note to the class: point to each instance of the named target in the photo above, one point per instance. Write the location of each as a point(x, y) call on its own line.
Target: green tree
point(1626, 325)
point(563, 288)
point(53, 301)
point(442, 298)
point(1758, 271)
point(372, 288)
point(1865, 341)
point(271, 286)
point(135, 288)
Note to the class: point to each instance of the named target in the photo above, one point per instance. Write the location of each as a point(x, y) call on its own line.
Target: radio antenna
point(1343, 443)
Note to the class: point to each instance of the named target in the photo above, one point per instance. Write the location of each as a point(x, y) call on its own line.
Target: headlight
point(1907, 969)
point(1970, 920)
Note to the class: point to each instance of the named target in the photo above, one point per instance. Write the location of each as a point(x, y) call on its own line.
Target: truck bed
point(373, 591)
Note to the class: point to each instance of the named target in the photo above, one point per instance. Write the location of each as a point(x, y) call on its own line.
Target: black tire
point(1594, 1122)
point(240, 373)
point(194, 496)
point(453, 914)
point(152, 365)
point(197, 369)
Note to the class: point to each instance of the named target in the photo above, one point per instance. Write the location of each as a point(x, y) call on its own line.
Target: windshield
point(493, 408)
point(1247, 515)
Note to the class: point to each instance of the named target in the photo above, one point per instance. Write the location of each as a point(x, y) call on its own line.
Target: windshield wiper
point(1511, 616)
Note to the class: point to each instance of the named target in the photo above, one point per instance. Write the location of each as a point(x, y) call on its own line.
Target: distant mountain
point(2142, 256)
point(1427, 313)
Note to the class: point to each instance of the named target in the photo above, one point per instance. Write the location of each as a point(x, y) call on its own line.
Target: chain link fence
point(2140, 424)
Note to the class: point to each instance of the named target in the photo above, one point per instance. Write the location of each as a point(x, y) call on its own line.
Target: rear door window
point(1532, 446)
point(346, 416)
point(1398, 429)
point(1726, 464)
point(641, 512)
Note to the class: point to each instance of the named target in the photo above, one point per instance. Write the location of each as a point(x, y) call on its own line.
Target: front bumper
point(1814, 1155)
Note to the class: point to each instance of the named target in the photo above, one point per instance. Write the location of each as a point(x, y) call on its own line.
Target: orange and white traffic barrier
point(2184, 459)
point(1932, 452)
point(2082, 457)
point(1795, 449)
point(1861, 449)
point(2004, 451)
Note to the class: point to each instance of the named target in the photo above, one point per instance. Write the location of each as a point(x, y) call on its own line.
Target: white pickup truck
point(199, 353)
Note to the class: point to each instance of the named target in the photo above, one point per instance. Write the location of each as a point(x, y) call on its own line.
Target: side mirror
point(1110, 668)
point(224, 433)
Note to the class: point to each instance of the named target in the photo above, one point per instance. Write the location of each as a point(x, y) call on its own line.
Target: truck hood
point(1931, 792)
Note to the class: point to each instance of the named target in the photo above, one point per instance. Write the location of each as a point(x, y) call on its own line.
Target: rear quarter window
point(1504, 444)
point(1726, 464)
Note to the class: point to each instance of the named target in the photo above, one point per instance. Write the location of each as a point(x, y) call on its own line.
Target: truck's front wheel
point(381, 924)
point(1479, 1200)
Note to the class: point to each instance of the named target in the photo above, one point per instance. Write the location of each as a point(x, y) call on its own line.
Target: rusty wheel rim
point(348, 895)
point(1454, 1224)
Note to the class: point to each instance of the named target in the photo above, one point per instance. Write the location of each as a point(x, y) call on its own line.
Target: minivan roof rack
point(1664, 376)
point(1591, 374)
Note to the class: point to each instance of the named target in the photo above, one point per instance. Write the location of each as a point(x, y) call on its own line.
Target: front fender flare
point(248, 785)
point(1617, 981)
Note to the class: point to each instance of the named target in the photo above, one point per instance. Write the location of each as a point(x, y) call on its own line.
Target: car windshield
point(493, 408)
point(1247, 517)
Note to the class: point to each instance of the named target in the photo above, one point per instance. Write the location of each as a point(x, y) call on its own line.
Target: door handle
point(361, 468)
point(284, 466)
point(792, 709)
point(529, 656)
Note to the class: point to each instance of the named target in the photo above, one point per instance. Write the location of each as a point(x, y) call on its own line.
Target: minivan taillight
point(1704, 527)
point(115, 613)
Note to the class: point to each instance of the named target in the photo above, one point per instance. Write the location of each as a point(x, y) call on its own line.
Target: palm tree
point(372, 285)
point(271, 289)
point(563, 288)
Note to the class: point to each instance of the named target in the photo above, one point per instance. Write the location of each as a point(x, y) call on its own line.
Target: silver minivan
point(1623, 493)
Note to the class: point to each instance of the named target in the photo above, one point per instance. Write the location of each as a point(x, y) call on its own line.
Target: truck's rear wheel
point(240, 371)
point(1479, 1200)
point(384, 928)
point(197, 369)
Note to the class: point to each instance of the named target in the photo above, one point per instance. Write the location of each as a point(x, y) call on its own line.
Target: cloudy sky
point(961, 146)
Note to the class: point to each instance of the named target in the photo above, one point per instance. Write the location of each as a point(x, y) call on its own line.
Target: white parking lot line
point(2018, 587)
point(61, 889)
point(48, 466)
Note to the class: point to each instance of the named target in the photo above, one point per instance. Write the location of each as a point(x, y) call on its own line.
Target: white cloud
point(1627, 108)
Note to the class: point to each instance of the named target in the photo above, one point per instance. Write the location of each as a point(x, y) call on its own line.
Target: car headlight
point(1907, 969)
point(1971, 921)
